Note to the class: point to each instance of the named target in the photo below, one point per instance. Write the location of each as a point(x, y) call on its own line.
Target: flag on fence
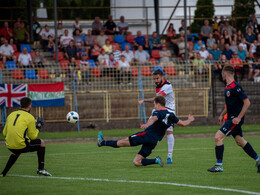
point(45, 95)
point(11, 94)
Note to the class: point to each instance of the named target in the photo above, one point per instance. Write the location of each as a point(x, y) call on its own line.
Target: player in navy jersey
point(154, 131)
point(237, 104)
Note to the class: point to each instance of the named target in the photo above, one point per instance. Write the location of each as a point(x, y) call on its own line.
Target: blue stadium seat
point(119, 39)
point(124, 44)
point(27, 46)
point(91, 63)
point(10, 65)
point(158, 68)
point(30, 74)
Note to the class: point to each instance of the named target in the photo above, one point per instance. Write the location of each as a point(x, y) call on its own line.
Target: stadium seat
point(17, 54)
point(14, 48)
point(43, 74)
point(119, 39)
point(152, 61)
point(32, 54)
point(130, 38)
point(1, 65)
point(10, 65)
point(124, 44)
point(64, 64)
point(170, 70)
point(110, 38)
point(27, 46)
point(155, 54)
point(30, 74)
point(96, 72)
point(134, 71)
point(60, 56)
point(17, 74)
point(157, 68)
point(146, 71)
point(77, 62)
point(91, 63)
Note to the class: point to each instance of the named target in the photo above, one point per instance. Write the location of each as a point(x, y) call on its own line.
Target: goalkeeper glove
point(39, 123)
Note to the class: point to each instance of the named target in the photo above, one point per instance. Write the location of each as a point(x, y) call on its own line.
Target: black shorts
point(33, 146)
point(143, 138)
point(231, 129)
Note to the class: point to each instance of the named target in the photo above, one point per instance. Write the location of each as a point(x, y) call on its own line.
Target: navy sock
point(219, 153)
point(111, 143)
point(148, 161)
point(250, 151)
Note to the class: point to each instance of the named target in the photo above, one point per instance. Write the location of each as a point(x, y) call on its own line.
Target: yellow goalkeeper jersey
point(19, 129)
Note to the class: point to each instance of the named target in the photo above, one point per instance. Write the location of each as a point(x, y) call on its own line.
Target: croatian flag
point(46, 95)
point(11, 94)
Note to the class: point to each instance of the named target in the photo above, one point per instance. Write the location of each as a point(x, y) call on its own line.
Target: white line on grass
point(141, 182)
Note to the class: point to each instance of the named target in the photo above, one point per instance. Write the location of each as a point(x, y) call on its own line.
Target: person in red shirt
point(238, 65)
point(6, 31)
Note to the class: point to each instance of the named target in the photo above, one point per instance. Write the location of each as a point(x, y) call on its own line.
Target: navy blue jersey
point(234, 96)
point(165, 120)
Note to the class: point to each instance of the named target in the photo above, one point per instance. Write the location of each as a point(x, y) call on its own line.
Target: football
point(72, 117)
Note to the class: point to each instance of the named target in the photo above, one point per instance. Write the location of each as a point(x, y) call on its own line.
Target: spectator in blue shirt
point(154, 42)
point(140, 40)
point(216, 53)
point(227, 52)
point(197, 46)
point(250, 37)
point(241, 53)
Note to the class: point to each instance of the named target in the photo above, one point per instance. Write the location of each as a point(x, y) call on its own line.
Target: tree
point(243, 9)
point(202, 12)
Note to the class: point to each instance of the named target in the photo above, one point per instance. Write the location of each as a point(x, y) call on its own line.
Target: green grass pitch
point(78, 167)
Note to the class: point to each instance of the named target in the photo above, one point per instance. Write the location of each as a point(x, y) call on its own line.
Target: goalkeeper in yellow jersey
point(21, 133)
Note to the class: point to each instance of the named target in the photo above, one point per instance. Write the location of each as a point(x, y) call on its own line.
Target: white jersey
point(167, 92)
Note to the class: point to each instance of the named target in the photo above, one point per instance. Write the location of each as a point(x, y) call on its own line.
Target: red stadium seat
point(60, 56)
point(130, 38)
point(152, 61)
point(32, 54)
point(110, 37)
point(146, 71)
point(170, 70)
point(64, 64)
point(43, 74)
point(1, 66)
point(77, 62)
point(155, 54)
point(17, 74)
point(96, 71)
point(134, 71)
point(14, 48)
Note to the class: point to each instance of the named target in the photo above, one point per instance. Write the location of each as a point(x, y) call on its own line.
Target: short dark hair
point(159, 100)
point(25, 102)
point(229, 69)
point(158, 72)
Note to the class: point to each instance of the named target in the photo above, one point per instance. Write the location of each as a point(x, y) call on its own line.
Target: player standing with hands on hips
point(20, 133)
point(237, 104)
point(164, 88)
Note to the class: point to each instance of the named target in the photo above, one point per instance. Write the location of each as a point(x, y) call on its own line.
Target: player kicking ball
point(154, 131)
point(237, 104)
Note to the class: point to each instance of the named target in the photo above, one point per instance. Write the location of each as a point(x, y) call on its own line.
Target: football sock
point(111, 143)
point(10, 163)
point(148, 161)
point(41, 154)
point(170, 141)
point(250, 151)
point(219, 154)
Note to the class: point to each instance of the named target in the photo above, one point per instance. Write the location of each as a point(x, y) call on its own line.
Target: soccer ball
point(72, 117)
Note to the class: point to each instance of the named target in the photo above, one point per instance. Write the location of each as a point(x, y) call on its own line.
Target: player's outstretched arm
point(149, 100)
point(186, 122)
point(151, 121)
point(221, 119)
point(243, 111)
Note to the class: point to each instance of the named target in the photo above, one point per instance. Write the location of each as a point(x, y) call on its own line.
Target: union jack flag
point(11, 94)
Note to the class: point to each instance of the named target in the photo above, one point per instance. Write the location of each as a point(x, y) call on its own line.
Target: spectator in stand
point(199, 64)
point(112, 62)
point(76, 26)
point(182, 28)
point(216, 36)
point(101, 39)
point(46, 32)
point(18, 21)
point(220, 64)
point(191, 52)
point(107, 47)
point(165, 56)
point(38, 60)
point(72, 67)
point(227, 52)
point(203, 52)
point(238, 66)
point(205, 31)
point(253, 47)
point(60, 30)
point(243, 44)
point(233, 46)
point(71, 51)
point(84, 69)
point(122, 26)
point(95, 50)
point(239, 37)
point(215, 52)
point(154, 42)
point(110, 26)
point(116, 53)
point(110, 67)
point(96, 26)
point(250, 37)
point(21, 35)
point(141, 56)
point(242, 54)
point(215, 23)
point(221, 44)
point(250, 25)
point(7, 52)
point(79, 42)
point(140, 40)
point(103, 58)
point(65, 40)
point(210, 41)
point(90, 39)
point(51, 44)
point(6, 31)
point(228, 28)
point(253, 20)
point(181, 46)
point(124, 69)
point(227, 37)
point(37, 29)
point(25, 60)
point(253, 66)
point(2, 40)
point(170, 32)
point(221, 23)
point(128, 54)
point(198, 45)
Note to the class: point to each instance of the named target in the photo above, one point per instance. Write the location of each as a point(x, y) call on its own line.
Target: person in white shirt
point(122, 26)
point(243, 44)
point(65, 39)
point(203, 52)
point(25, 60)
point(129, 55)
point(85, 70)
point(103, 58)
point(76, 26)
point(124, 69)
point(7, 52)
point(141, 56)
point(46, 32)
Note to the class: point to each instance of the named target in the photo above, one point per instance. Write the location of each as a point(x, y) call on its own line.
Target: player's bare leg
point(139, 160)
point(248, 149)
point(170, 141)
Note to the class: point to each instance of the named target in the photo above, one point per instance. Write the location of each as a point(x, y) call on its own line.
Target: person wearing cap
point(84, 72)
point(46, 32)
point(165, 56)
